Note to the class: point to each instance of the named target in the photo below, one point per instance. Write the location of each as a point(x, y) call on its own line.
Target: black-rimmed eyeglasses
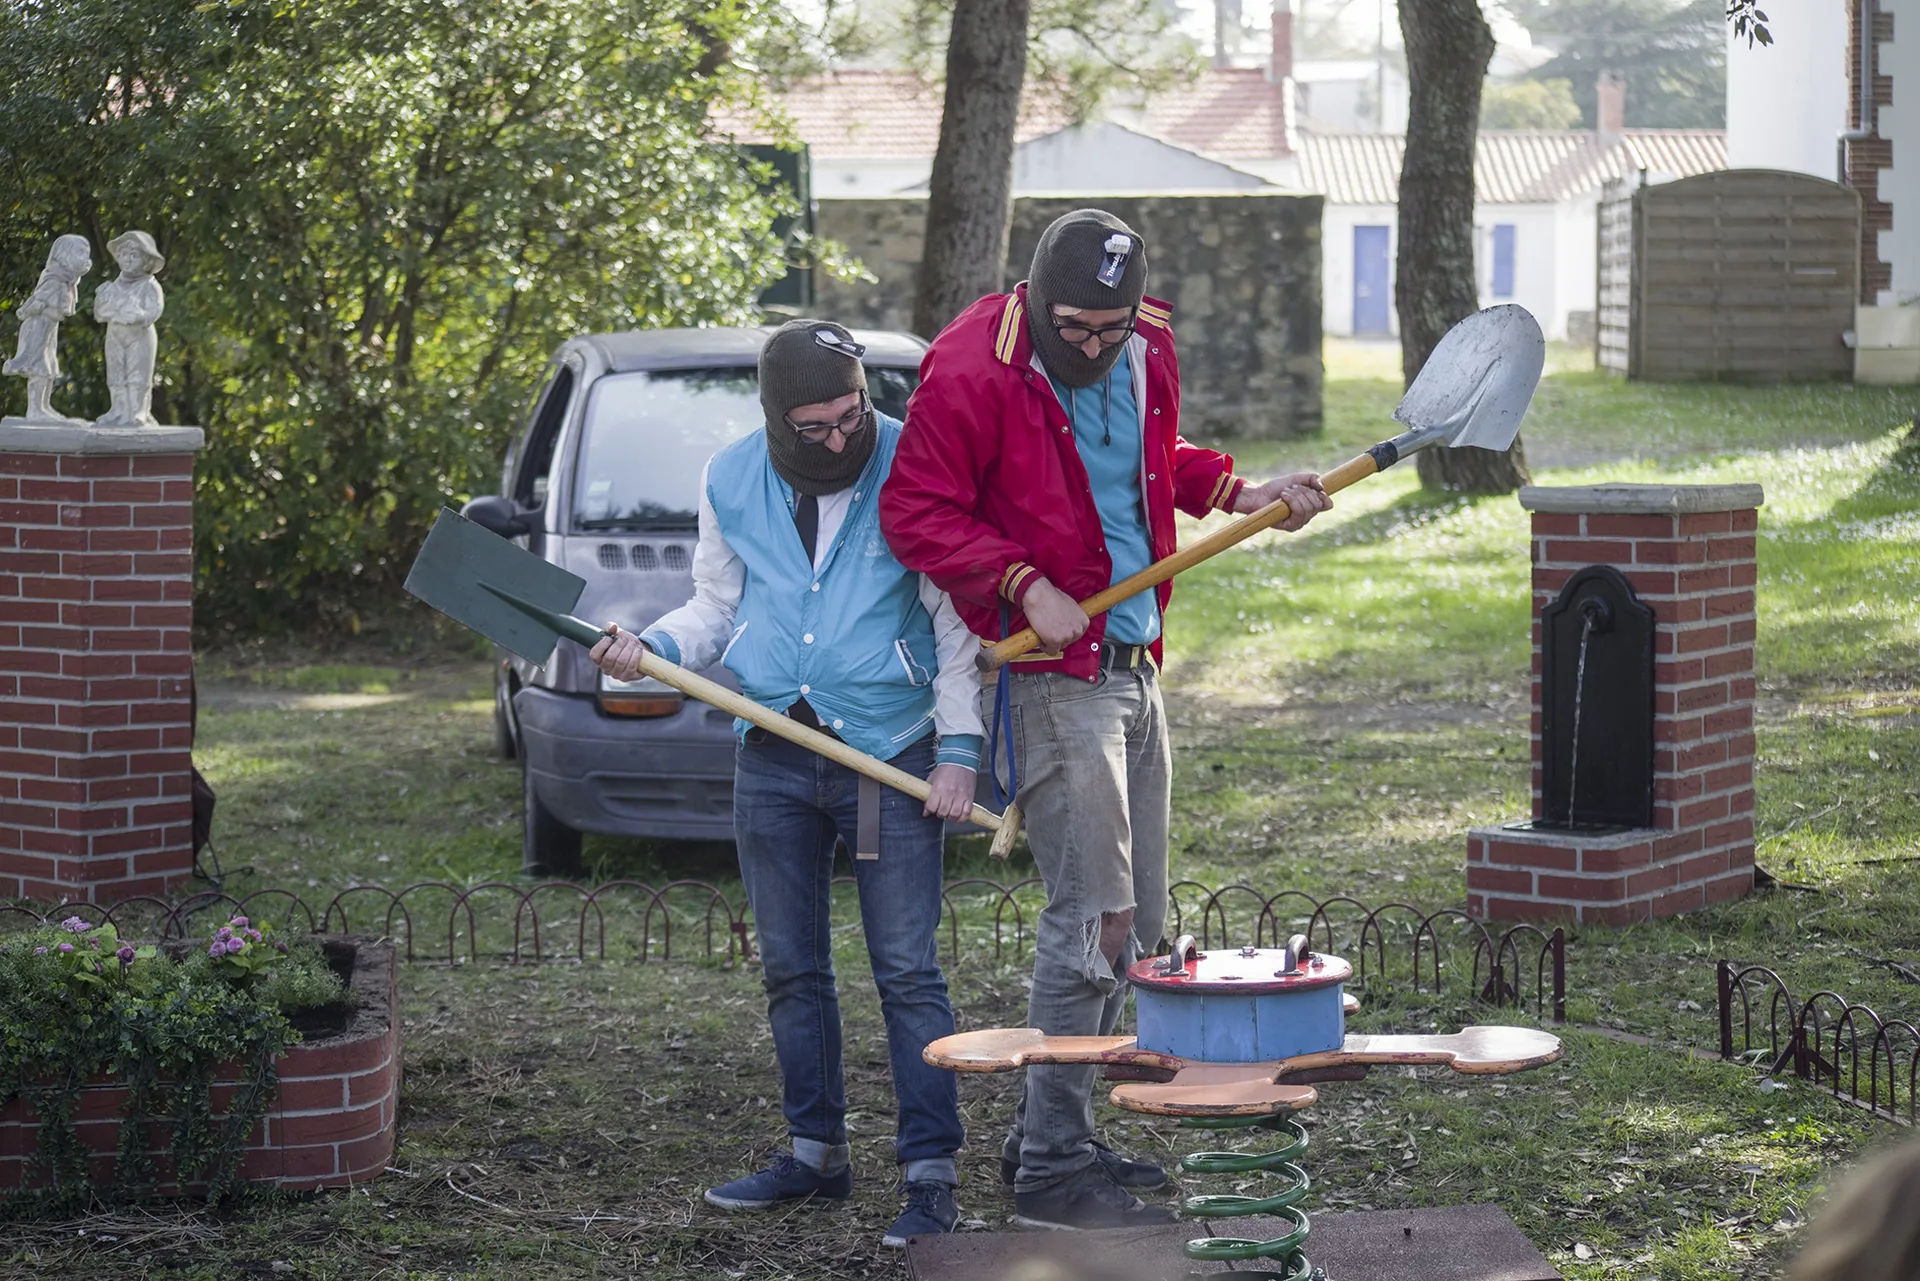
point(1076, 335)
point(849, 424)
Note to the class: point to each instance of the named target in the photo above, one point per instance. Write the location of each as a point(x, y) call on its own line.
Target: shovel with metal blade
point(524, 603)
point(1473, 391)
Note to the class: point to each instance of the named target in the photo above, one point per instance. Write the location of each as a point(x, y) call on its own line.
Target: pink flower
point(74, 925)
point(236, 945)
point(39, 951)
point(125, 954)
point(238, 922)
point(66, 947)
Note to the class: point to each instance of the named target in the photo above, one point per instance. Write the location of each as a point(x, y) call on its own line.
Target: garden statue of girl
point(129, 306)
point(56, 297)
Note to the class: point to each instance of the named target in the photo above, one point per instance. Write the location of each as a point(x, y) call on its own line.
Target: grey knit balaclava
point(809, 362)
point(1074, 266)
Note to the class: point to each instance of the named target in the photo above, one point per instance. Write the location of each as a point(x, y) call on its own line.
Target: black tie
point(806, 518)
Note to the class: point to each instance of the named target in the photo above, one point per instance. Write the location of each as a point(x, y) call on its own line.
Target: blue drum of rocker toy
point(1244, 1005)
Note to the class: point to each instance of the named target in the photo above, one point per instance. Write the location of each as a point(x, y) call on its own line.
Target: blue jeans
point(788, 805)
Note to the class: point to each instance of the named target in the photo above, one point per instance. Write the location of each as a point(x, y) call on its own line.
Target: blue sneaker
point(930, 1209)
point(787, 1179)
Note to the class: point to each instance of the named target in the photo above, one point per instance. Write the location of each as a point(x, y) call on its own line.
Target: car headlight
point(644, 697)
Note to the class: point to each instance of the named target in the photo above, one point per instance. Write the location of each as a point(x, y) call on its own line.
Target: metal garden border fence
point(1821, 1039)
point(563, 920)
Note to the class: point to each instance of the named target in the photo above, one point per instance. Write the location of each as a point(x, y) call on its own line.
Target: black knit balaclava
point(1067, 270)
point(809, 362)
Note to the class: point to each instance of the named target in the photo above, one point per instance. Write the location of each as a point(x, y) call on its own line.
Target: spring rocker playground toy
point(1228, 1040)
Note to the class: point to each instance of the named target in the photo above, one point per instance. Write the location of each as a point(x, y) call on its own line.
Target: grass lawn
point(1346, 703)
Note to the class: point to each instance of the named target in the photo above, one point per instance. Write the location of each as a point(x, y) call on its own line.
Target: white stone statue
point(37, 359)
point(130, 305)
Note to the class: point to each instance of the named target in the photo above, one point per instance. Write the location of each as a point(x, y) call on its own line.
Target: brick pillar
point(1688, 552)
point(96, 619)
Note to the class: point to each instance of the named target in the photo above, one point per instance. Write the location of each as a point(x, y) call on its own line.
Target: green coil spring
point(1284, 1249)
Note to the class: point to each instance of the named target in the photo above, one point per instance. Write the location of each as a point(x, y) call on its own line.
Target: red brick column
point(96, 619)
point(1689, 553)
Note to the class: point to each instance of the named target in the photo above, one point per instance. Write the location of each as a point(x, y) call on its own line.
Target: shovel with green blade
point(1473, 391)
point(523, 603)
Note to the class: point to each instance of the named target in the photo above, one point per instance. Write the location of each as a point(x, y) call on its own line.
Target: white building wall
point(1536, 261)
point(869, 176)
point(1787, 101)
point(1552, 260)
point(1577, 234)
point(1336, 262)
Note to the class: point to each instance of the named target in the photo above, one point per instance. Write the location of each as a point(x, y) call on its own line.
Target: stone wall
point(1242, 272)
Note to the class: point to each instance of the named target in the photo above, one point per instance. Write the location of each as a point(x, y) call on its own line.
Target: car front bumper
point(663, 777)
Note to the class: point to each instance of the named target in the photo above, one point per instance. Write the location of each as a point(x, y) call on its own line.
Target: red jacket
point(988, 491)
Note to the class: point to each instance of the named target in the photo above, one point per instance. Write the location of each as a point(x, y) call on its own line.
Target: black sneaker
point(1087, 1198)
point(1141, 1176)
point(930, 1209)
point(787, 1179)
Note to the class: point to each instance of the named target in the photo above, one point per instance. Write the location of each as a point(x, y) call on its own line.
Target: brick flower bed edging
point(333, 1119)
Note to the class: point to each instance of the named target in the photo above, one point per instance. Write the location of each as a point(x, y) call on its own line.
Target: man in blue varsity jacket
point(796, 591)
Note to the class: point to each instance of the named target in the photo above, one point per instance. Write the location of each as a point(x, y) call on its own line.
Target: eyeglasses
point(1076, 335)
point(849, 424)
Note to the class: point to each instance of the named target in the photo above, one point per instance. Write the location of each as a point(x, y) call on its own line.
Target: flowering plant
point(79, 1004)
point(92, 955)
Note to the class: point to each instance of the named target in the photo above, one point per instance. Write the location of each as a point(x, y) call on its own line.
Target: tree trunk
point(1448, 47)
point(970, 196)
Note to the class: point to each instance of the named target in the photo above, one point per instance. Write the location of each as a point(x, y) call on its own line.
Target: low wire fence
point(1820, 1038)
point(437, 922)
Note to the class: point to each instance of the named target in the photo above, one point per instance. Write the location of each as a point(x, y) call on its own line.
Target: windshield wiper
point(676, 520)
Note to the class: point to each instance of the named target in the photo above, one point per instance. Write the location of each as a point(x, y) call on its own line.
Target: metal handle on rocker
point(1295, 951)
point(1177, 960)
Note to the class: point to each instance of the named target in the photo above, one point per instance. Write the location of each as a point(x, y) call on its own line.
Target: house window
point(1503, 260)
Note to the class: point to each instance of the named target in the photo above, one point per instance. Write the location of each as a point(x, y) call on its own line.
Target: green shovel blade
point(504, 592)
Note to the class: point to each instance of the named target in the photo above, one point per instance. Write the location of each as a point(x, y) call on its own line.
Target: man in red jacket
point(1042, 461)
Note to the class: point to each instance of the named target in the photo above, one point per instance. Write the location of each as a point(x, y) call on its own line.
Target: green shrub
point(79, 1005)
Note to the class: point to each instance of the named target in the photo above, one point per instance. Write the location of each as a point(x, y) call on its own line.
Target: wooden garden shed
point(1741, 275)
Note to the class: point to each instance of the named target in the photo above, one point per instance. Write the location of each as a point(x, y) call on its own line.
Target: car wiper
point(687, 521)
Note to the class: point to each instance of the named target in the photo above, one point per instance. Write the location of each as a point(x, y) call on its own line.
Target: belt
point(801, 711)
point(1124, 658)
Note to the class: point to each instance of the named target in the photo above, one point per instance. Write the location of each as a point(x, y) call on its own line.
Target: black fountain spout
point(1596, 706)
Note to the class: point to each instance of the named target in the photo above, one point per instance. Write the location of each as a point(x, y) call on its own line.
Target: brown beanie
point(1068, 269)
point(810, 362)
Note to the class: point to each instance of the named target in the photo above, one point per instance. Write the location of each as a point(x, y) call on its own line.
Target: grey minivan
point(605, 482)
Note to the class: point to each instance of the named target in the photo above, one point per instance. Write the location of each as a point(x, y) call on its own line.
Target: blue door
point(1503, 260)
point(1371, 290)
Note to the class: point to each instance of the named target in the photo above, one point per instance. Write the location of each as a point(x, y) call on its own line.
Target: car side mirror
point(501, 515)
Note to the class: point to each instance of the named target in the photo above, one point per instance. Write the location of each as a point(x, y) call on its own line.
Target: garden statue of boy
point(37, 358)
point(130, 305)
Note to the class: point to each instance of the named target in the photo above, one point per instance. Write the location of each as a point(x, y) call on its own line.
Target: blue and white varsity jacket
point(876, 650)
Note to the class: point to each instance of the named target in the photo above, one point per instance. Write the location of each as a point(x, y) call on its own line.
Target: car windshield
point(647, 437)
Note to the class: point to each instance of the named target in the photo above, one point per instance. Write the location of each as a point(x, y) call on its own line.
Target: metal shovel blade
point(499, 589)
point(1477, 384)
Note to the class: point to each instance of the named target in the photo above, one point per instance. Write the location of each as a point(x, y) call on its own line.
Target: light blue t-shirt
point(1106, 427)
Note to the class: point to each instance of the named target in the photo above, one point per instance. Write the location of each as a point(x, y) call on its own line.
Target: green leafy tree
point(379, 218)
point(1529, 104)
point(1673, 55)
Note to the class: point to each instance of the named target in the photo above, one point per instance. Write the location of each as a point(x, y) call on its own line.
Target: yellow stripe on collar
point(1158, 317)
point(1009, 336)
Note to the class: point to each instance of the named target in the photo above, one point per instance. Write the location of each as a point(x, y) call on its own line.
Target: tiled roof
point(874, 115)
point(1227, 114)
point(1510, 167)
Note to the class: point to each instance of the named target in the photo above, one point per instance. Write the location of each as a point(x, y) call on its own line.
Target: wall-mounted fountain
point(1643, 606)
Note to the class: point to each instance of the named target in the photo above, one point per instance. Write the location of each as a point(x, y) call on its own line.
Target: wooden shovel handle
point(1005, 827)
point(992, 656)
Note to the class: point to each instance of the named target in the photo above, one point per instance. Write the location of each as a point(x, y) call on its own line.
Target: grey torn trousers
point(1095, 788)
